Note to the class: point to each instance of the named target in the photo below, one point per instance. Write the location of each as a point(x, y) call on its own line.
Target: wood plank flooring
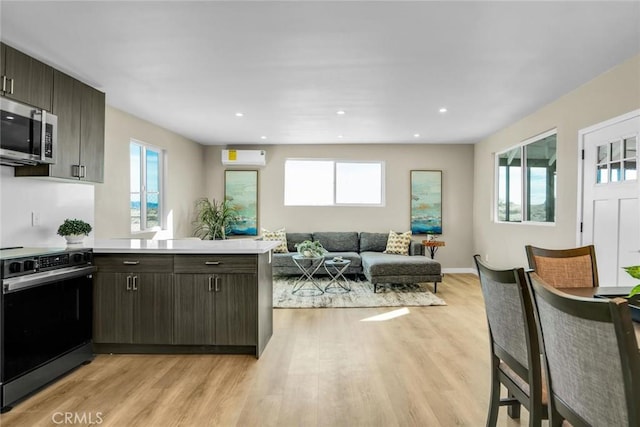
point(322, 367)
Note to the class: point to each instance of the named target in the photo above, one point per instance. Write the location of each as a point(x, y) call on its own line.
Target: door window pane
point(616, 150)
point(603, 153)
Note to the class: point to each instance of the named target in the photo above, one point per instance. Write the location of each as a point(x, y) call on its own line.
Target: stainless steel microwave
point(28, 135)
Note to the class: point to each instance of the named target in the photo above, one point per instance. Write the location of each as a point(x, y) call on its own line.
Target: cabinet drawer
point(215, 264)
point(134, 263)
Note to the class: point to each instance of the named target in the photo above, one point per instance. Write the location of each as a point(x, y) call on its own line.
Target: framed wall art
point(426, 202)
point(241, 190)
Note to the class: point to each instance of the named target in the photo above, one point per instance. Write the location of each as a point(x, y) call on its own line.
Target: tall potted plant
point(213, 219)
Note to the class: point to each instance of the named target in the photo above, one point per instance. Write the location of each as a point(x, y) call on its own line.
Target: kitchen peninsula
point(182, 296)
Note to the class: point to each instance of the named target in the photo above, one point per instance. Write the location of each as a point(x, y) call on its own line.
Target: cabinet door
point(92, 134)
point(153, 310)
point(236, 309)
point(112, 308)
point(194, 309)
point(67, 106)
point(31, 80)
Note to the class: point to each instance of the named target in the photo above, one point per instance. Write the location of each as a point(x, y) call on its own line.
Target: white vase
point(74, 239)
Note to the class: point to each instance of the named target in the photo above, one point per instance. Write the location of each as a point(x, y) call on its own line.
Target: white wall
point(185, 172)
point(455, 161)
point(612, 94)
point(53, 201)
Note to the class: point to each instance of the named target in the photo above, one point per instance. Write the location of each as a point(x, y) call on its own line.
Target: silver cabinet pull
point(212, 263)
point(11, 86)
point(75, 171)
point(128, 283)
point(4, 83)
point(83, 171)
point(135, 283)
point(210, 284)
point(131, 262)
point(217, 281)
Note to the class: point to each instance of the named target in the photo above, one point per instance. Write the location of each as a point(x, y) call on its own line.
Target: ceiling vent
point(244, 157)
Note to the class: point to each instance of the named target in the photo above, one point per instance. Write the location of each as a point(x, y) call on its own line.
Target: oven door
point(44, 318)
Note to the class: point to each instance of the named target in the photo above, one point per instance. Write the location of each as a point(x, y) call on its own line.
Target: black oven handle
point(21, 283)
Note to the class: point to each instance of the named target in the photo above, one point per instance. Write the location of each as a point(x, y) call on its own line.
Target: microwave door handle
point(43, 135)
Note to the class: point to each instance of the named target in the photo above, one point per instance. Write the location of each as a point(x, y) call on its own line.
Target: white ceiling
point(290, 66)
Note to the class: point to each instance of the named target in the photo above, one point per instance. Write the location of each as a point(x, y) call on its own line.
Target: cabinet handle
point(4, 83)
point(217, 281)
point(75, 171)
point(210, 285)
point(11, 86)
point(128, 283)
point(83, 171)
point(131, 262)
point(212, 263)
point(135, 283)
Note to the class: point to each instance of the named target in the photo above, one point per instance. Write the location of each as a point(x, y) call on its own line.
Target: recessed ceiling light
point(340, 112)
point(339, 136)
point(416, 135)
point(263, 137)
point(239, 114)
point(443, 110)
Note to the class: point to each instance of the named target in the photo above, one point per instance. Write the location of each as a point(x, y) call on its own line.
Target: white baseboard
point(459, 270)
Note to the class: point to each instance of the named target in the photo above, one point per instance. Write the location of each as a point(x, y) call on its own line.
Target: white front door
point(611, 190)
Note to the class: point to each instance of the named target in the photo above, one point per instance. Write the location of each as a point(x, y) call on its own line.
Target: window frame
point(334, 189)
point(524, 181)
point(143, 189)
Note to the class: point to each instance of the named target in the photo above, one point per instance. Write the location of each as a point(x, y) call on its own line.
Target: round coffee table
point(308, 266)
point(335, 269)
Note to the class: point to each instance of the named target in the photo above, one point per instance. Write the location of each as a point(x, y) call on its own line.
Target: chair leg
point(494, 403)
point(513, 410)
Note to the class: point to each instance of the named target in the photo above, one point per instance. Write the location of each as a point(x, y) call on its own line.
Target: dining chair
point(567, 268)
point(515, 351)
point(592, 361)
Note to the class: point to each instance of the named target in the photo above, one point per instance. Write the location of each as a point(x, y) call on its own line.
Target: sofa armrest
point(416, 248)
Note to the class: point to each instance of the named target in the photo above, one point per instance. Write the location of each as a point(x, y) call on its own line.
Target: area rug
point(361, 295)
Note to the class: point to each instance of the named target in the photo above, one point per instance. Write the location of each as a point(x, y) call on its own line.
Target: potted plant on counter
point(213, 219)
point(74, 230)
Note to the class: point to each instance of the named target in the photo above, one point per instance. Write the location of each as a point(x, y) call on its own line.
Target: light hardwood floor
point(323, 367)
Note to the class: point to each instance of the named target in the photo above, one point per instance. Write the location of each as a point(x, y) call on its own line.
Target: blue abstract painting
point(426, 202)
point(241, 190)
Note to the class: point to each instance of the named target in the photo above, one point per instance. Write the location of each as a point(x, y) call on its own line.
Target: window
point(617, 161)
point(526, 181)
point(146, 164)
point(333, 183)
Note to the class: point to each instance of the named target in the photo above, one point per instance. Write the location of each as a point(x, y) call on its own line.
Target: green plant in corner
point(634, 271)
point(74, 227)
point(310, 249)
point(214, 219)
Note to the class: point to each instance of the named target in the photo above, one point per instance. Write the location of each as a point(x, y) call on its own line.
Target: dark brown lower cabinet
point(182, 303)
point(215, 309)
point(133, 308)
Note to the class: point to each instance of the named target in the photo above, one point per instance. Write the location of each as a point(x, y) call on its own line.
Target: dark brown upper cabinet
point(25, 79)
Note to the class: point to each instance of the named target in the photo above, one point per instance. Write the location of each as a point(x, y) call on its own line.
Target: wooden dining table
point(589, 292)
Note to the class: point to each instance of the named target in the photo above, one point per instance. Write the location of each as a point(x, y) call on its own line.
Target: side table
point(335, 269)
point(308, 266)
point(432, 246)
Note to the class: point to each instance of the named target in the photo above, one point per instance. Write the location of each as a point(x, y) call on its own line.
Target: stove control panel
point(33, 264)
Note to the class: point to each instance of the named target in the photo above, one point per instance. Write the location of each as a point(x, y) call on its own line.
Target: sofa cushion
point(398, 243)
point(376, 242)
point(280, 235)
point(295, 238)
point(337, 241)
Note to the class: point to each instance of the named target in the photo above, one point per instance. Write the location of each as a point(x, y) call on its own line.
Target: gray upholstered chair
point(592, 358)
point(565, 268)
point(515, 351)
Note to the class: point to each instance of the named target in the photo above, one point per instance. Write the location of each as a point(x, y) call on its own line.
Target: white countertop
point(180, 246)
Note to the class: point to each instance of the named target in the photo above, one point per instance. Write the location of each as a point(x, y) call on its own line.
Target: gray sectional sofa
point(365, 251)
